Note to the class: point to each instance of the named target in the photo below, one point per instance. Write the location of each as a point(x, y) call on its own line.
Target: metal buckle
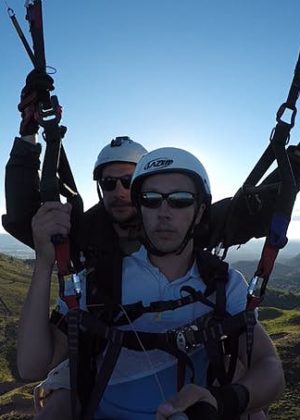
point(185, 338)
point(76, 284)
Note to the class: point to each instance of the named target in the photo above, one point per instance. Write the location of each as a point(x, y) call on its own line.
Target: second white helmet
point(120, 149)
point(170, 160)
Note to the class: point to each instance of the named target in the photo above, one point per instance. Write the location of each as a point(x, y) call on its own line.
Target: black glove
point(232, 400)
point(200, 410)
point(37, 87)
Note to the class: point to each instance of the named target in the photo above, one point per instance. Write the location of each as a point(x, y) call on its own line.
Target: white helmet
point(170, 160)
point(120, 149)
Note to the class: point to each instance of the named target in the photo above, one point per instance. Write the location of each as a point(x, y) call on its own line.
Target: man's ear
point(200, 213)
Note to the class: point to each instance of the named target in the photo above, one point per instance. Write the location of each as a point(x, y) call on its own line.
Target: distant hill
point(281, 300)
point(252, 251)
point(11, 246)
point(285, 275)
point(295, 261)
point(249, 251)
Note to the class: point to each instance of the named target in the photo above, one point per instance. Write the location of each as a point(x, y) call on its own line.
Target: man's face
point(117, 202)
point(166, 226)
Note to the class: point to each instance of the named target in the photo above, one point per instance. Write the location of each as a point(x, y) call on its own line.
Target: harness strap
point(108, 364)
point(250, 324)
point(201, 331)
point(130, 340)
point(35, 18)
point(181, 369)
point(73, 343)
point(287, 191)
point(136, 310)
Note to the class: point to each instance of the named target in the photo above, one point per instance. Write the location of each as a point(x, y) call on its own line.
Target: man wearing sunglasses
point(112, 172)
point(162, 292)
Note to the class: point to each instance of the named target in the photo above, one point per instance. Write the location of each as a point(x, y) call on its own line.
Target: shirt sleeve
point(236, 292)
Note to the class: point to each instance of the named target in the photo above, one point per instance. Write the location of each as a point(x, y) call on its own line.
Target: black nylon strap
point(103, 376)
point(35, 18)
point(73, 342)
point(205, 333)
point(136, 310)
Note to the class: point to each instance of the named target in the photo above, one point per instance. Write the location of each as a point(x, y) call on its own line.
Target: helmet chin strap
point(152, 249)
point(99, 193)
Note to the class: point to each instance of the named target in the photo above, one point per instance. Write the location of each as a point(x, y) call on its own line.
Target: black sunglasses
point(109, 183)
point(176, 199)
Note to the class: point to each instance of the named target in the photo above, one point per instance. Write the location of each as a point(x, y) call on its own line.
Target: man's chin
point(166, 247)
point(121, 217)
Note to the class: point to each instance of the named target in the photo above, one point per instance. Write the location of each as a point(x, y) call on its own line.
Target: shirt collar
point(142, 255)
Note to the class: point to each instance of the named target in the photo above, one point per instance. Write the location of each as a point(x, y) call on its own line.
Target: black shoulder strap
point(104, 284)
point(212, 270)
point(214, 273)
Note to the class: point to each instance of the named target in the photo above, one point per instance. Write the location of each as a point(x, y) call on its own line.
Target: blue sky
point(205, 75)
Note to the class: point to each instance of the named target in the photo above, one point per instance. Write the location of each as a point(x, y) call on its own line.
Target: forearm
point(35, 342)
point(265, 382)
point(22, 188)
point(265, 378)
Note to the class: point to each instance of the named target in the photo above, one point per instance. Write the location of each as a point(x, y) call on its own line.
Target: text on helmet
point(158, 163)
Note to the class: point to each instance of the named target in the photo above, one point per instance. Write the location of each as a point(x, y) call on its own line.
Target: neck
point(122, 233)
point(174, 266)
point(130, 232)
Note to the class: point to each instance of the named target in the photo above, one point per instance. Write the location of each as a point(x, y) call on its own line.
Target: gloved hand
point(37, 87)
point(192, 402)
point(199, 410)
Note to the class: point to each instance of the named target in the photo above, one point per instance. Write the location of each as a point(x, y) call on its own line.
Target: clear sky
point(205, 75)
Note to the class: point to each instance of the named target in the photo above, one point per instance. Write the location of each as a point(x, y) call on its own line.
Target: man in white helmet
point(176, 309)
point(112, 172)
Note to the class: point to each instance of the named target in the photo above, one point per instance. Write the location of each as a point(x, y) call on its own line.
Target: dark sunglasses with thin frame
point(176, 199)
point(109, 183)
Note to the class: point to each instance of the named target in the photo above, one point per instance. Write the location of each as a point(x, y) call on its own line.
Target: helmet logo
point(158, 163)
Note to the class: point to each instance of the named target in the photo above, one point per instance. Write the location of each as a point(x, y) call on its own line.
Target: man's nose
point(120, 190)
point(164, 210)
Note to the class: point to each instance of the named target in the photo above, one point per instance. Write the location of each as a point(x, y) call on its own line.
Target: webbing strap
point(267, 261)
point(136, 310)
point(261, 277)
point(287, 191)
point(73, 342)
point(62, 255)
point(202, 332)
point(35, 19)
point(181, 368)
point(109, 361)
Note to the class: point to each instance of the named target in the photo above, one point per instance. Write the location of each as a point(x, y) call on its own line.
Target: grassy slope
point(16, 397)
point(283, 327)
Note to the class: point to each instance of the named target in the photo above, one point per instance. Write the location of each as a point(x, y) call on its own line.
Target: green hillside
point(281, 322)
point(282, 300)
point(15, 395)
point(285, 275)
point(283, 327)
